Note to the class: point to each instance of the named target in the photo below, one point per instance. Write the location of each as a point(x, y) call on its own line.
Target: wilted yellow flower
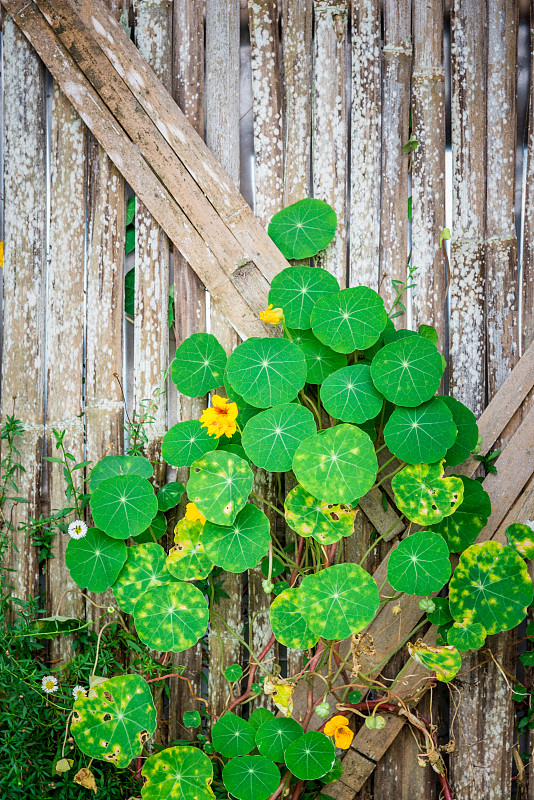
point(192, 514)
point(338, 727)
point(272, 315)
point(281, 692)
point(220, 418)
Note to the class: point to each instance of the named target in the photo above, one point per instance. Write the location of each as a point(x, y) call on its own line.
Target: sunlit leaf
point(288, 624)
point(303, 228)
point(178, 773)
point(424, 495)
point(219, 485)
point(171, 617)
point(521, 538)
point(420, 564)
point(186, 442)
point(352, 319)
point(241, 545)
point(144, 568)
point(187, 560)
point(326, 523)
point(461, 529)
point(233, 736)
point(95, 561)
point(199, 364)
point(267, 372)
point(271, 438)
point(408, 371)
point(296, 290)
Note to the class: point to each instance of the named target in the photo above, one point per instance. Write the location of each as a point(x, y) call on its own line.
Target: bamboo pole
point(365, 144)
point(395, 119)
point(23, 358)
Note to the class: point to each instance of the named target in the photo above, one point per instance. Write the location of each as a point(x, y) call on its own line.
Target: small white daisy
point(77, 529)
point(49, 684)
point(79, 691)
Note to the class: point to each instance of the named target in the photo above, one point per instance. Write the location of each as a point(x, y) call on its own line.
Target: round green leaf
point(124, 506)
point(95, 560)
point(460, 530)
point(420, 564)
point(251, 777)
point(171, 617)
point(233, 736)
point(115, 719)
point(337, 465)
point(407, 372)
point(274, 737)
point(441, 614)
point(420, 435)
point(466, 637)
point(187, 560)
point(467, 437)
point(271, 437)
point(170, 495)
point(308, 516)
point(244, 410)
point(191, 719)
point(288, 624)
point(445, 660)
point(521, 538)
point(338, 601)
point(240, 546)
point(178, 773)
point(350, 395)
point(144, 569)
point(320, 359)
point(110, 466)
point(311, 756)
point(233, 673)
point(266, 372)
point(424, 495)
point(236, 449)
point(155, 530)
point(352, 319)
point(303, 228)
point(199, 365)
point(490, 585)
point(296, 290)
point(219, 485)
point(186, 442)
point(259, 716)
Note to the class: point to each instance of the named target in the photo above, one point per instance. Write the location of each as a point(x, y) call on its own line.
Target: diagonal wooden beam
point(165, 161)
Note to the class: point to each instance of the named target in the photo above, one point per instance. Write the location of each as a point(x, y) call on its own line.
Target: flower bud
point(323, 709)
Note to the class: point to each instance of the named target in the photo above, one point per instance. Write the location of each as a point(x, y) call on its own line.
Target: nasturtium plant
point(115, 719)
point(461, 528)
point(251, 777)
point(350, 395)
point(444, 660)
point(155, 530)
point(352, 319)
point(111, 466)
point(275, 735)
point(124, 505)
point(187, 559)
point(521, 538)
point(288, 623)
point(198, 366)
point(219, 485)
point(337, 465)
point(321, 360)
point(311, 756)
point(325, 522)
point(170, 495)
point(424, 495)
point(297, 289)
point(466, 636)
point(185, 443)
point(303, 228)
point(271, 438)
point(233, 736)
point(242, 544)
point(441, 613)
point(172, 616)
point(144, 569)
point(407, 371)
point(491, 586)
point(95, 561)
point(420, 564)
point(267, 372)
point(420, 435)
point(259, 716)
point(467, 436)
point(178, 773)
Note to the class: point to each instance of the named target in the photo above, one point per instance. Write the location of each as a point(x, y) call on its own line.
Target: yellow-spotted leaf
point(490, 585)
point(465, 636)
point(242, 544)
point(187, 560)
point(114, 720)
point(171, 617)
point(288, 624)
point(424, 495)
point(461, 529)
point(445, 661)
point(326, 523)
point(178, 773)
point(521, 538)
point(144, 569)
point(219, 485)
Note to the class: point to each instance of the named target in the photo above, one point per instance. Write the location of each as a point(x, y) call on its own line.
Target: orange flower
point(272, 315)
point(220, 418)
point(192, 514)
point(338, 727)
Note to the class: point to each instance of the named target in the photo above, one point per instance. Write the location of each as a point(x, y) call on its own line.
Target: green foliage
point(239, 546)
point(185, 443)
point(321, 360)
point(297, 289)
point(271, 438)
point(466, 637)
point(251, 777)
point(461, 528)
point(311, 756)
point(424, 495)
point(233, 736)
point(110, 466)
point(177, 773)
point(170, 495)
point(267, 372)
point(288, 624)
point(408, 371)
point(444, 660)
point(275, 735)
point(124, 506)
point(303, 228)
point(187, 560)
point(145, 567)
point(219, 485)
point(420, 564)
point(352, 319)
point(172, 616)
point(420, 435)
point(155, 530)
point(95, 561)
point(311, 517)
point(350, 395)
point(199, 364)
point(521, 538)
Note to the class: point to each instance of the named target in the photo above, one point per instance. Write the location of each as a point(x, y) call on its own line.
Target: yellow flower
point(272, 315)
point(338, 727)
point(220, 418)
point(192, 514)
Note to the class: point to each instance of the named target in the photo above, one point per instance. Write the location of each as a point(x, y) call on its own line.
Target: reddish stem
point(332, 554)
point(447, 793)
point(294, 573)
point(252, 674)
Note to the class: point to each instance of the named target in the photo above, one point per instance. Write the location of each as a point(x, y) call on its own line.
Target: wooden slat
point(428, 167)
point(330, 124)
point(395, 118)
point(467, 337)
point(23, 359)
point(145, 183)
point(527, 282)
point(64, 333)
point(190, 300)
point(297, 77)
point(222, 137)
point(153, 33)
point(383, 519)
point(365, 144)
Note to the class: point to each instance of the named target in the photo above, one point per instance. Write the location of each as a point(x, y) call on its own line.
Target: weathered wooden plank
point(383, 519)
point(428, 167)
point(365, 144)
point(222, 137)
point(190, 298)
point(467, 336)
point(64, 333)
point(397, 53)
point(145, 183)
point(296, 90)
point(330, 124)
point(527, 282)
point(23, 359)
point(153, 33)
